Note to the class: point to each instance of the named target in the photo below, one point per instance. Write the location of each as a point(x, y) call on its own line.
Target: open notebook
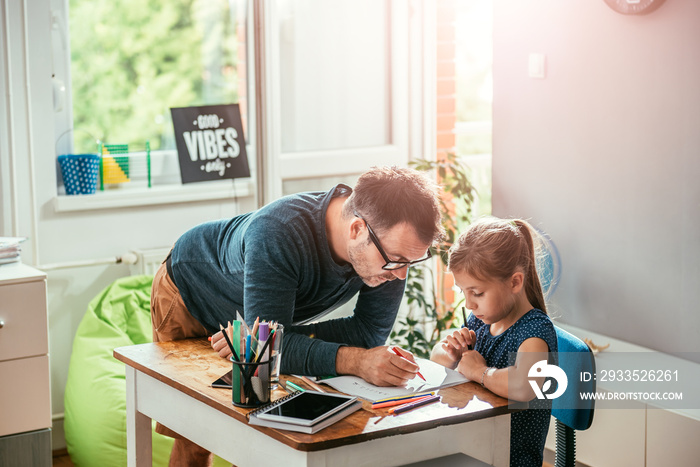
point(436, 377)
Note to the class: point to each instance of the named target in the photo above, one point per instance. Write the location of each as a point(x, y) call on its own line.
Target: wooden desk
point(170, 382)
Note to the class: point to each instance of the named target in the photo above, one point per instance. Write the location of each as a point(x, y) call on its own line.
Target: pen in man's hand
point(396, 351)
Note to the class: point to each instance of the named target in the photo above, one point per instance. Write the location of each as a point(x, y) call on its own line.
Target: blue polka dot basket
point(80, 173)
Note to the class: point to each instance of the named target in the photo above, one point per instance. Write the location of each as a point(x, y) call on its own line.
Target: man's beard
point(360, 265)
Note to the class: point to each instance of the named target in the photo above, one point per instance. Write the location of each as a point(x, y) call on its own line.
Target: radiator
point(147, 261)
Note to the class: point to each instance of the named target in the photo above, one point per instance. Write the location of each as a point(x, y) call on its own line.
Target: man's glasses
point(390, 265)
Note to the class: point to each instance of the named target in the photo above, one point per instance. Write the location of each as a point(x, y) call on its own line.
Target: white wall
point(603, 155)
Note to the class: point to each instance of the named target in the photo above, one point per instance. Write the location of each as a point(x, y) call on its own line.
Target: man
point(297, 259)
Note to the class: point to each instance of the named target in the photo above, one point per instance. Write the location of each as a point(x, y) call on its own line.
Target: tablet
point(305, 408)
point(224, 381)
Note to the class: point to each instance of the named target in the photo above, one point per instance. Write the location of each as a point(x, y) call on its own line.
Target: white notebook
point(436, 377)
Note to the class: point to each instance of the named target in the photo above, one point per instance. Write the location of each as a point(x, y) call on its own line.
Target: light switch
point(536, 68)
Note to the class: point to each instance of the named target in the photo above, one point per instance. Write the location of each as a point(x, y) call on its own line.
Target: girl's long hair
point(495, 249)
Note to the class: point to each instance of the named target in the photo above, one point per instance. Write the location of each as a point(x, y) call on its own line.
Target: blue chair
point(570, 410)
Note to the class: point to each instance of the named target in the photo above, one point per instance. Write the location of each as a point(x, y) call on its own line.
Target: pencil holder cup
point(250, 383)
point(79, 173)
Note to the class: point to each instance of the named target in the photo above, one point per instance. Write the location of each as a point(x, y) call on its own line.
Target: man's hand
point(379, 366)
point(219, 344)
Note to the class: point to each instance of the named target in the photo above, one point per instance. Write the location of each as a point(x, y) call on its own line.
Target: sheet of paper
point(436, 377)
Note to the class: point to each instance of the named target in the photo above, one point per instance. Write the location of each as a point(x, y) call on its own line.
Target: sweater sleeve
point(373, 318)
point(274, 261)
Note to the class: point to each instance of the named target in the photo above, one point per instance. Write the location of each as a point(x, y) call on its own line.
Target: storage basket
point(79, 173)
point(121, 168)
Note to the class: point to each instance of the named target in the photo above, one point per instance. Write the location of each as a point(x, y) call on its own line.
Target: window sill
point(165, 194)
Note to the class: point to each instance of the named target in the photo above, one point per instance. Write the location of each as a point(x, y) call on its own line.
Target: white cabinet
point(672, 438)
point(615, 439)
point(25, 397)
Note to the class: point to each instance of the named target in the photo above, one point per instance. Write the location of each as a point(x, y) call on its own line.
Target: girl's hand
point(457, 343)
point(472, 365)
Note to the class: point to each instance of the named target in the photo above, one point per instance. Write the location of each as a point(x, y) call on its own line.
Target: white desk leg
point(138, 426)
point(501, 442)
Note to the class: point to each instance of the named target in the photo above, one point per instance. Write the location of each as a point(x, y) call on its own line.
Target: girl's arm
point(448, 351)
point(532, 350)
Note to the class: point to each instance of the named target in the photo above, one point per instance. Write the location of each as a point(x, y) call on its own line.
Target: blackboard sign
point(210, 142)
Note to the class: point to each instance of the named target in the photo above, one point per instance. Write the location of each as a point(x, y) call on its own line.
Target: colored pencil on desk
point(406, 407)
point(396, 351)
point(313, 385)
point(381, 405)
point(294, 387)
point(409, 396)
point(408, 403)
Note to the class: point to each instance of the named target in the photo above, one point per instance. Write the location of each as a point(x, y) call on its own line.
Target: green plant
point(429, 312)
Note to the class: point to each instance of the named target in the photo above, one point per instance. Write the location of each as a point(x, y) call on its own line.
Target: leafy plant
point(132, 60)
point(430, 313)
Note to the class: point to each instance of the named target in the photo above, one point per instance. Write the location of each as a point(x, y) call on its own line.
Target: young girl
point(493, 263)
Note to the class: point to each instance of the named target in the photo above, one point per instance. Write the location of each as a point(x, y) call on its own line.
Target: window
point(474, 59)
point(338, 98)
point(333, 104)
point(131, 61)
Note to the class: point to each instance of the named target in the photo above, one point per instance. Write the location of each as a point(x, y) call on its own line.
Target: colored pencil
point(254, 331)
point(313, 385)
point(409, 403)
point(228, 341)
point(264, 347)
point(464, 315)
point(406, 407)
point(382, 405)
point(409, 396)
point(294, 386)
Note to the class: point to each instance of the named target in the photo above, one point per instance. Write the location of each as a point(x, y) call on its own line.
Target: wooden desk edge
point(311, 442)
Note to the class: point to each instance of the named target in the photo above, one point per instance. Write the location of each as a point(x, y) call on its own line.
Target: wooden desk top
point(191, 365)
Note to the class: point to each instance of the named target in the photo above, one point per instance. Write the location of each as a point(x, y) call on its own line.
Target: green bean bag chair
point(95, 397)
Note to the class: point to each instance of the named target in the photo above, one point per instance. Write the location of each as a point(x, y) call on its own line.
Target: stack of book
point(10, 249)
point(305, 411)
